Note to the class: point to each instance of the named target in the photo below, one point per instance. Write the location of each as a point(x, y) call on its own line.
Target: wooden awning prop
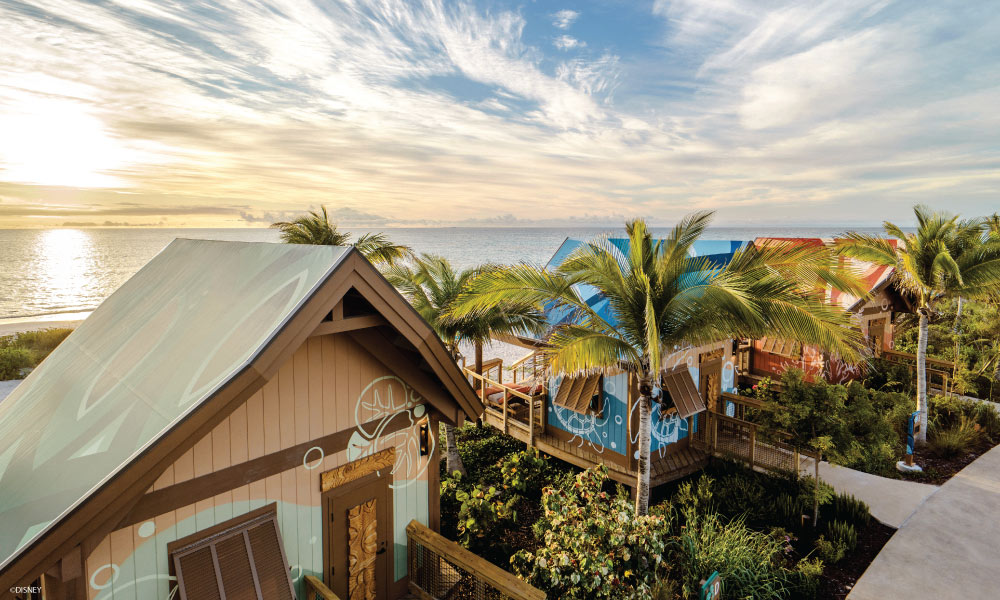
point(577, 392)
point(679, 389)
point(789, 348)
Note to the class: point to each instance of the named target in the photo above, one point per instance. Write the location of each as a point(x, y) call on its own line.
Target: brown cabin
point(237, 420)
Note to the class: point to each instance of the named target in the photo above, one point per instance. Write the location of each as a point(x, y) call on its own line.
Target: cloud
point(419, 112)
point(565, 18)
point(565, 42)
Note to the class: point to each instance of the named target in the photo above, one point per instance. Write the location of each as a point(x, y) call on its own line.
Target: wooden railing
point(535, 416)
point(744, 408)
point(527, 367)
point(737, 439)
point(439, 569)
point(316, 589)
point(938, 370)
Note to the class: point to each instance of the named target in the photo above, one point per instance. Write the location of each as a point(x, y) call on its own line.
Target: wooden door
point(357, 534)
point(876, 335)
point(710, 383)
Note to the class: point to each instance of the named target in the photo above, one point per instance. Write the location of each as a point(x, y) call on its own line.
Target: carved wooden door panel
point(358, 538)
point(710, 384)
point(876, 333)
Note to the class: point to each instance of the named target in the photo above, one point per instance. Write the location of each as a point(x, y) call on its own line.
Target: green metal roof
point(172, 335)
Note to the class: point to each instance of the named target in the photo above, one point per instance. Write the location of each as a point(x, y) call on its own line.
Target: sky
point(422, 112)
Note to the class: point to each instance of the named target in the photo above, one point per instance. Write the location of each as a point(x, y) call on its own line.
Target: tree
point(662, 298)
point(432, 286)
point(944, 258)
point(315, 228)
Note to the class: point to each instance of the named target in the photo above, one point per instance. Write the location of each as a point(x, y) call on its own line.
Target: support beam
point(348, 324)
point(393, 358)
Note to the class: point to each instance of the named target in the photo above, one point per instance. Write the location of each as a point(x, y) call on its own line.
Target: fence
point(736, 439)
point(440, 568)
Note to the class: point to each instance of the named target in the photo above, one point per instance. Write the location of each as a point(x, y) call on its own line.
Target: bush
point(751, 563)
point(848, 509)
point(12, 361)
point(593, 544)
point(483, 448)
point(831, 551)
point(843, 533)
point(955, 440)
point(526, 473)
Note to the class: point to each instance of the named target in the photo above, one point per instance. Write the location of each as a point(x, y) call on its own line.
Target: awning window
point(789, 348)
point(581, 393)
point(678, 384)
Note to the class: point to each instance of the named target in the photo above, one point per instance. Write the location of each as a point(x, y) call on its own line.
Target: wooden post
point(797, 462)
point(715, 434)
point(506, 402)
point(753, 445)
point(531, 422)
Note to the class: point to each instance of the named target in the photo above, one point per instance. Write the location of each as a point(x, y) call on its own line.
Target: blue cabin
point(593, 418)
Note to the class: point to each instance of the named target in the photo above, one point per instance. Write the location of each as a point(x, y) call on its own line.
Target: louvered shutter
point(241, 559)
point(575, 393)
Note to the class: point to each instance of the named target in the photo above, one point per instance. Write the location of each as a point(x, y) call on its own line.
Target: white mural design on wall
point(385, 401)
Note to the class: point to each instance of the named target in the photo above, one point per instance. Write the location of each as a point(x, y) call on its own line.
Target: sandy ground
point(9, 326)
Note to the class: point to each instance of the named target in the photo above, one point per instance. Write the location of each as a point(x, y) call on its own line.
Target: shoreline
point(14, 325)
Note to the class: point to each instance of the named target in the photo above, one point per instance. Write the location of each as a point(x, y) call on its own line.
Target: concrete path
point(6, 387)
point(891, 501)
point(948, 547)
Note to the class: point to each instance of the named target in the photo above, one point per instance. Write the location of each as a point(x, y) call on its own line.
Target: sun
point(58, 142)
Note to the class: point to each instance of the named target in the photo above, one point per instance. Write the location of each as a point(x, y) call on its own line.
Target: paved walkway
point(891, 501)
point(6, 387)
point(948, 547)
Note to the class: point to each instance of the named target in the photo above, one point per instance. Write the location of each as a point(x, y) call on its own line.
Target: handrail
point(502, 581)
point(317, 587)
point(487, 382)
point(940, 362)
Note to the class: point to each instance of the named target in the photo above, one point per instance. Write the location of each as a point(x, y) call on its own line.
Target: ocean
point(49, 272)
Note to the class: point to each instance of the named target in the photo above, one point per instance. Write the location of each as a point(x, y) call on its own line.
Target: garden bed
point(939, 469)
point(731, 515)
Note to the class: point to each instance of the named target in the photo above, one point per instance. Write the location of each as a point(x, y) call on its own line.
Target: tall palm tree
point(944, 258)
point(662, 298)
point(432, 286)
point(316, 228)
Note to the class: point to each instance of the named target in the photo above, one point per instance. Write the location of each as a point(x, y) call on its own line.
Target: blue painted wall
point(608, 433)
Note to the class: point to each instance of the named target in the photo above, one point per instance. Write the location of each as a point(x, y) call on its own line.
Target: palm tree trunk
point(479, 358)
point(921, 437)
point(453, 461)
point(642, 478)
point(955, 330)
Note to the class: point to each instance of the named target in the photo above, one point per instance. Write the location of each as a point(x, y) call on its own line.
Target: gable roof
point(195, 332)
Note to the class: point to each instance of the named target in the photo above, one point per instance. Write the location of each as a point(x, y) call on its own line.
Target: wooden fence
point(938, 371)
point(530, 414)
point(441, 569)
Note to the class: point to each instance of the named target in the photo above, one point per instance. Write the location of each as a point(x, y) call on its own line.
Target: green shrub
point(788, 509)
point(955, 440)
point(483, 448)
point(988, 418)
point(593, 545)
point(526, 473)
point(483, 513)
point(808, 571)
point(843, 533)
point(848, 509)
point(12, 361)
point(831, 551)
point(751, 563)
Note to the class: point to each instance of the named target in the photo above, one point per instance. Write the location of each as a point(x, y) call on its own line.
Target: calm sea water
point(53, 271)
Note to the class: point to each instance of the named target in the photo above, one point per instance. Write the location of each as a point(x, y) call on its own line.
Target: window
point(241, 558)
point(581, 393)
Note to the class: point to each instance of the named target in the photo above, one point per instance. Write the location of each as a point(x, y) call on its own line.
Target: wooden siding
point(327, 386)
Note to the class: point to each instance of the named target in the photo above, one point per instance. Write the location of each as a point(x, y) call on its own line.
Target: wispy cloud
point(407, 112)
point(565, 18)
point(567, 42)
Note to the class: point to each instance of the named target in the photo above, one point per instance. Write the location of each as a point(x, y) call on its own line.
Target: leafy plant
point(843, 533)
point(831, 551)
point(26, 349)
point(957, 439)
point(526, 473)
point(483, 512)
point(848, 509)
point(593, 545)
point(12, 361)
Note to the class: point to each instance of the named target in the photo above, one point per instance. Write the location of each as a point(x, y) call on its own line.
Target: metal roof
point(167, 339)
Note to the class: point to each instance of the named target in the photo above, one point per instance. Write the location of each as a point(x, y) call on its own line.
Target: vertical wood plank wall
point(315, 393)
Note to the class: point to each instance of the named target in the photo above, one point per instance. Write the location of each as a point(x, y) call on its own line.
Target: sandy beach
point(11, 326)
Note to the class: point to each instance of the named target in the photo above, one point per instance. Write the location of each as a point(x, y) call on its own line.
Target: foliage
point(526, 473)
point(13, 361)
point(844, 533)
point(848, 509)
point(956, 439)
point(763, 390)
point(830, 551)
point(593, 545)
point(483, 512)
point(315, 228)
point(27, 349)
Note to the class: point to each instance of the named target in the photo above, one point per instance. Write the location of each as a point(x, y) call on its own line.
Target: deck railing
point(534, 404)
point(736, 439)
point(938, 370)
point(317, 590)
point(439, 569)
point(528, 367)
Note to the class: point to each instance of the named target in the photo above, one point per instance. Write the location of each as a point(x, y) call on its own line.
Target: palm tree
point(316, 228)
point(432, 286)
point(944, 258)
point(662, 298)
